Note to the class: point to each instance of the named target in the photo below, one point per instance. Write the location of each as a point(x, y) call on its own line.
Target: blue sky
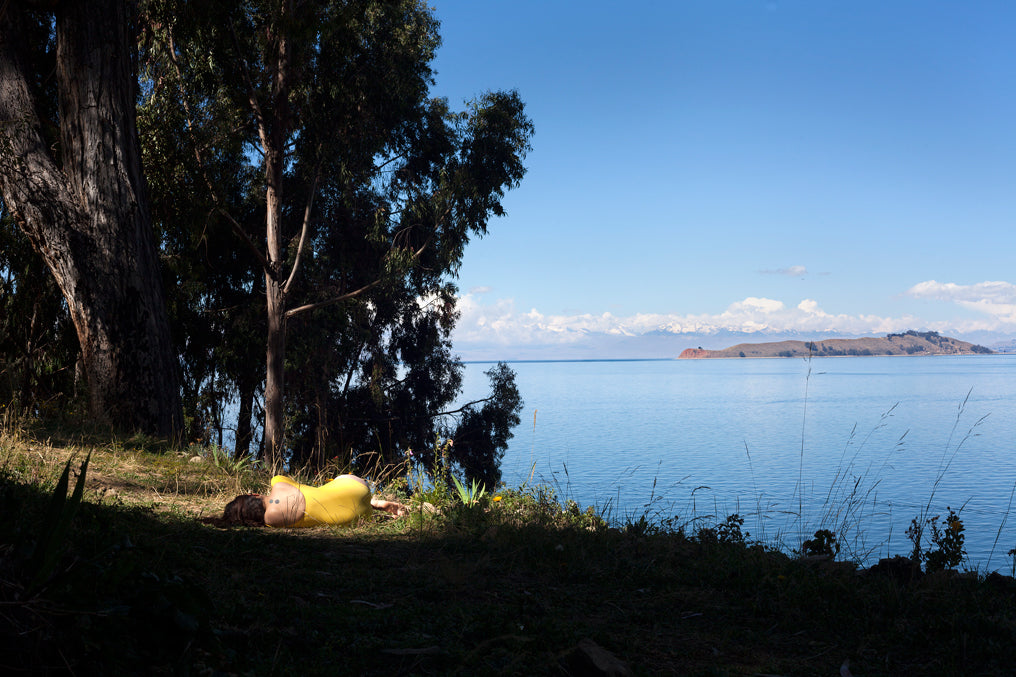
point(743, 165)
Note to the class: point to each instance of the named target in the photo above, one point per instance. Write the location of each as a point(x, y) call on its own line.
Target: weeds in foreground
point(234, 465)
point(55, 526)
point(946, 549)
point(153, 591)
point(823, 544)
point(469, 495)
point(851, 491)
point(916, 530)
point(727, 531)
point(852, 500)
point(852, 495)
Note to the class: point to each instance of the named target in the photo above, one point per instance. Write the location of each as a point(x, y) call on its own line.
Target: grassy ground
point(512, 586)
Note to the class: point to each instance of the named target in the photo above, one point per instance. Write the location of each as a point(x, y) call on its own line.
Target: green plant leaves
point(471, 495)
point(53, 530)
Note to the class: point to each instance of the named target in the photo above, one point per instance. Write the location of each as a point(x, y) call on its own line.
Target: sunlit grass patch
point(512, 580)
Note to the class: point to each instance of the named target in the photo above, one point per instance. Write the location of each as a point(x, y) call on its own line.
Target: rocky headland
point(907, 343)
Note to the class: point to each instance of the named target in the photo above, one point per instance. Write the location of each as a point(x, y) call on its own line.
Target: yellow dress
point(340, 501)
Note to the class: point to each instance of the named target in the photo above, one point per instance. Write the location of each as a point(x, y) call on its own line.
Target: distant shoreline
point(804, 357)
point(676, 359)
point(593, 359)
point(907, 344)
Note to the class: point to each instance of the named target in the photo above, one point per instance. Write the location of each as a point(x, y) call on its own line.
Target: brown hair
point(247, 510)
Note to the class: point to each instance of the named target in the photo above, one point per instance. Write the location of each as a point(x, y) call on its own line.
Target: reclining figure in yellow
point(292, 504)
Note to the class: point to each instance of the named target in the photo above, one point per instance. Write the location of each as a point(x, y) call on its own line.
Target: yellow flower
point(497, 498)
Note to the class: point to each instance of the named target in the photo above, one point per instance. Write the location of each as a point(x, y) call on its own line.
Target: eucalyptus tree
point(202, 181)
point(70, 175)
point(38, 346)
point(369, 191)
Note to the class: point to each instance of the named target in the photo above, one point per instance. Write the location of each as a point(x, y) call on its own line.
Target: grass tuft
point(507, 581)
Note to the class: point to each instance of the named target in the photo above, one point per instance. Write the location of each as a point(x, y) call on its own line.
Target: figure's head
point(248, 510)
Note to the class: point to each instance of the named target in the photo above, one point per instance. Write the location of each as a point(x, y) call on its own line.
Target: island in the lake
point(907, 343)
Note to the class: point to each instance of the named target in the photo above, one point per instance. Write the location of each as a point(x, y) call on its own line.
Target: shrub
point(946, 550)
point(823, 543)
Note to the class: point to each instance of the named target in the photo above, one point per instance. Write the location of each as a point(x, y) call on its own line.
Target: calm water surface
point(857, 445)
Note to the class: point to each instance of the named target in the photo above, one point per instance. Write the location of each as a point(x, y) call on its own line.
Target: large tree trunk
point(275, 373)
point(273, 134)
point(88, 216)
point(275, 352)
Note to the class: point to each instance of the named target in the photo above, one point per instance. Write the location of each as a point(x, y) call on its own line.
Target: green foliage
point(588, 519)
point(54, 528)
point(640, 526)
point(232, 464)
point(430, 483)
point(470, 495)
point(946, 549)
point(536, 506)
point(399, 182)
point(482, 435)
point(727, 531)
point(154, 591)
point(824, 543)
point(38, 343)
point(395, 183)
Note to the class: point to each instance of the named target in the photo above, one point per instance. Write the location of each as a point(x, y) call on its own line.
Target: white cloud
point(948, 291)
point(753, 304)
point(997, 300)
point(490, 327)
point(501, 324)
point(809, 306)
point(792, 271)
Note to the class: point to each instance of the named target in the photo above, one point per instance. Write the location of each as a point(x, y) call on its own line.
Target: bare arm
point(391, 507)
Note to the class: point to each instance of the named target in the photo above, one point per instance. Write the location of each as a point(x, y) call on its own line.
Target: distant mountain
point(1004, 347)
point(907, 343)
point(663, 343)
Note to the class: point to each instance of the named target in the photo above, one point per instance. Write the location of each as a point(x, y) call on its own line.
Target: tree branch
point(345, 297)
point(190, 117)
point(463, 407)
point(292, 312)
point(262, 259)
point(251, 91)
point(387, 419)
point(304, 228)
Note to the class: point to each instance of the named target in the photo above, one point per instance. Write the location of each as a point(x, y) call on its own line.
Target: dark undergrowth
point(510, 585)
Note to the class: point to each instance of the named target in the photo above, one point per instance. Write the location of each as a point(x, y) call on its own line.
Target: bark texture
point(84, 207)
point(273, 133)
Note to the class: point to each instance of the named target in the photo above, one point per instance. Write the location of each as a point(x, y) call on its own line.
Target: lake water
point(856, 445)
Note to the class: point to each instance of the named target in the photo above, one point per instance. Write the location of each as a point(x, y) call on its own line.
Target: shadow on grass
point(464, 593)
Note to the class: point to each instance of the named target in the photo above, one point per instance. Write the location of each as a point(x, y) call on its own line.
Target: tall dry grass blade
point(1005, 518)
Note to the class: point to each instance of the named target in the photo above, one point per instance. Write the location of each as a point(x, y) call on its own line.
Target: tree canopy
point(312, 202)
